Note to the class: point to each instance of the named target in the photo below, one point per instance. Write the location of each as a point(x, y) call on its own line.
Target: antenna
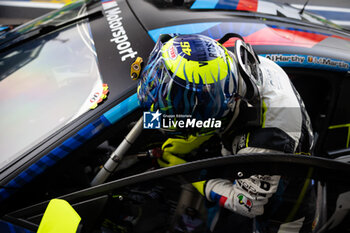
point(302, 10)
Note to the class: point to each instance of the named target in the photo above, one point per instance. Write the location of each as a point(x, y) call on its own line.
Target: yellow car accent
point(136, 68)
point(299, 201)
point(199, 186)
point(247, 140)
point(342, 126)
point(59, 217)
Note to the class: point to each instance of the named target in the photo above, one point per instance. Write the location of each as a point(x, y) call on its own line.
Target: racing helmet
point(197, 76)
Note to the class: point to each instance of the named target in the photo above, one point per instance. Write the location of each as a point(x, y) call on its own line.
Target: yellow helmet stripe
point(194, 71)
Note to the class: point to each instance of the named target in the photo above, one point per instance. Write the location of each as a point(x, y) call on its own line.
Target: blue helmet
point(190, 75)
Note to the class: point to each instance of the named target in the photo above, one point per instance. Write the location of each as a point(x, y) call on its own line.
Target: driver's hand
point(174, 149)
point(168, 160)
point(246, 197)
point(181, 147)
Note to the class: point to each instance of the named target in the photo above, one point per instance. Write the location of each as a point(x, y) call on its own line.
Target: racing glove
point(168, 160)
point(174, 149)
point(246, 197)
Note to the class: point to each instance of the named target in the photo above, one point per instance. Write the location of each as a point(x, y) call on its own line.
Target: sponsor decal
point(251, 190)
point(293, 60)
point(156, 120)
point(286, 58)
point(120, 38)
point(94, 97)
point(327, 62)
point(99, 96)
point(172, 52)
point(263, 177)
point(243, 200)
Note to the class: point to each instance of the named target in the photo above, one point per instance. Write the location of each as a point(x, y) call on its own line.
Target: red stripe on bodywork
point(277, 36)
point(340, 37)
point(247, 5)
point(222, 201)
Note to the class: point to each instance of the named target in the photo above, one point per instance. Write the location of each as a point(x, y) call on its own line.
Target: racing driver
point(260, 111)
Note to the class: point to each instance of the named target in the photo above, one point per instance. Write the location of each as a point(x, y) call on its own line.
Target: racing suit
point(285, 128)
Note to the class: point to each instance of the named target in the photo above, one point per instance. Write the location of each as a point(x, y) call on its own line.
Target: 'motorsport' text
point(118, 32)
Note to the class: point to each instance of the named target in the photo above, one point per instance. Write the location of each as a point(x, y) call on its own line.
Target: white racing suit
point(285, 128)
